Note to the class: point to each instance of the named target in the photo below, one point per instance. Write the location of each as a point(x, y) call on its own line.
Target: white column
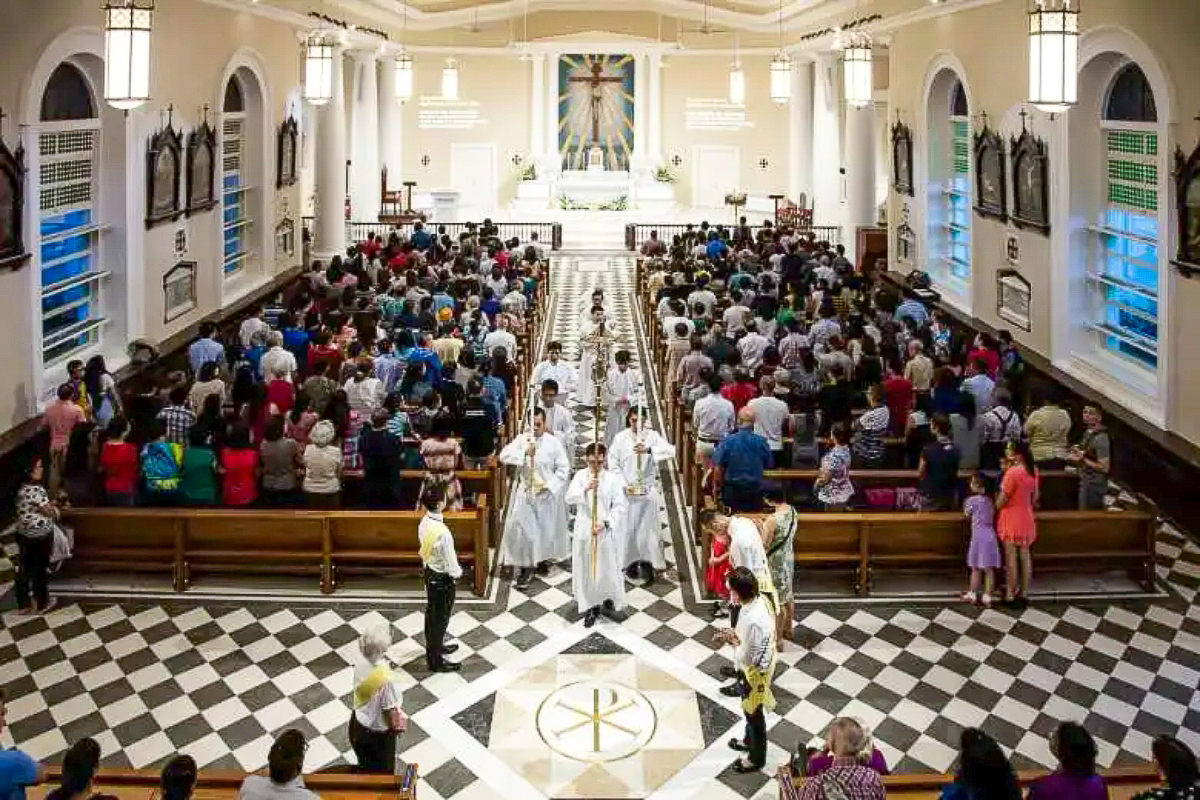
point(329, 237)
point(391, 127)
point(641, 64)
point(364, 139)
point(654, 99)
point(826, 141)
point(550, 152)
point(860, 168)
point(308, 157)
point(537, 105)
point(800, 134)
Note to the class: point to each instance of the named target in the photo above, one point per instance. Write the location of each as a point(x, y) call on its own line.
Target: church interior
point(469, 399)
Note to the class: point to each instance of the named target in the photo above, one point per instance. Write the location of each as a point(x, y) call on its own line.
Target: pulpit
point(445, 205)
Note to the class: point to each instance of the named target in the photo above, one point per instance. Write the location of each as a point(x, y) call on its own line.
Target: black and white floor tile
point(148, 678)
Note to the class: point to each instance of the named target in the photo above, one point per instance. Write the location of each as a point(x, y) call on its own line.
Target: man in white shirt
point(736, 315)
point(277, 360)
point(770, 413)
point(752, 346)
point(560, 423)
point(979, 385)
point(441, 571)
point(702, 295)
point(251, 325)
point(713, 418)
point(501, 337)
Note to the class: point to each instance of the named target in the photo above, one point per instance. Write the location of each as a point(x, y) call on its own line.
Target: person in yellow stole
point(441, 571)
point(754, 643)
point(376, 721)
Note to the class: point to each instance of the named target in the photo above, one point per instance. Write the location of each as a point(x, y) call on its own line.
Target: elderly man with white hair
point(276, 359)
point(377, 720)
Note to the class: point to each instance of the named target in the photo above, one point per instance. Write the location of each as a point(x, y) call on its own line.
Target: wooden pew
point(1123, 783)
point(182, 541)
point(1075, 541)
point(129, 784)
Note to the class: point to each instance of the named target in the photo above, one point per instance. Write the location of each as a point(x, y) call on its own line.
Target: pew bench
point(1123, 783)
point(325, 544)
point(333, 784)
point(1068, 541)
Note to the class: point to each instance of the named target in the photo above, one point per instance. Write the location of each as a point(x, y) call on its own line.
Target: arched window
point(234, 206)
point(67, 193)
point(1124, 265)
point(949, 190)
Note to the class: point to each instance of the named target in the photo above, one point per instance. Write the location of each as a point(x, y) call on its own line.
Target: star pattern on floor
point(220, 680)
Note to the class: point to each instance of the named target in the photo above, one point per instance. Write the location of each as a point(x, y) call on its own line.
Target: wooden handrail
point(399, 787)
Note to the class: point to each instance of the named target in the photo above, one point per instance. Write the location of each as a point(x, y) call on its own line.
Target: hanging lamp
point(127, 29)
point(318, 69)
point(1053, 55)
point(781, 69)
point(857, 72)
point(450, 79)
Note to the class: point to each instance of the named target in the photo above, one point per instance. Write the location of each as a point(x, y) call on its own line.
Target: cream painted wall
point(990, 45)
point(707, 77)
point(501, 85)
point(193, 47)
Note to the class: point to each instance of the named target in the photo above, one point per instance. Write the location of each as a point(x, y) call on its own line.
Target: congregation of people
point(400, 356)
point(782, 355)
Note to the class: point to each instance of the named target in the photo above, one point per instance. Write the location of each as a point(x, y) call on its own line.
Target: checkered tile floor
point(218, 681)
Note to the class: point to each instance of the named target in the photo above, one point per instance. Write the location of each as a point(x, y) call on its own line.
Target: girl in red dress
point(718, 569)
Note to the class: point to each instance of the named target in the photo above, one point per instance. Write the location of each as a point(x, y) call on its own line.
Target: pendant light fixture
point(737, 76)
point(127, 27)
point(857, 72)
point(318, 69)
point(1053, 54)
point(450, 79)
point(781, 69)
point(404, 65)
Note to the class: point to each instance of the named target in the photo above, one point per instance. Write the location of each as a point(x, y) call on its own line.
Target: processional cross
point(595, 81)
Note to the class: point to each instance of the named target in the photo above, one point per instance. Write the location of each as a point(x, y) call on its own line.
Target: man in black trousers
point(441, 571)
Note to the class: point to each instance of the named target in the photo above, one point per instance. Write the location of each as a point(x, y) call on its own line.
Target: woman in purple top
point(983, 553)
point(1075, 778)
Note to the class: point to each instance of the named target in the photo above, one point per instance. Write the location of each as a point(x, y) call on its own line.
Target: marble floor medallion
point(595, 720)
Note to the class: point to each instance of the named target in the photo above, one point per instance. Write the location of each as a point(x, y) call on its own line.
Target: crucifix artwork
point(596, 110)
point(596, 80)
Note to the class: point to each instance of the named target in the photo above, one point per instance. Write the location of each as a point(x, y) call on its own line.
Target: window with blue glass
point(68, 142)
point(955, 166)
point(1124, 270)
point(233, 195)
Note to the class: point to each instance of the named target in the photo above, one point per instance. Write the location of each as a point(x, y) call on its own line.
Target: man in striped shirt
point(753, 639)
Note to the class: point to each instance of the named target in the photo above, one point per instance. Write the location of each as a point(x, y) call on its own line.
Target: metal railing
point(638, 234)
point(549, 234)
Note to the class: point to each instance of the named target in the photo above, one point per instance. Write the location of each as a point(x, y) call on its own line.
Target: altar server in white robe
point(559, 421)
point(553, 368)
point(622, 390)
point(537, 519)
point(635, 455)
point(596, 576)
point(592, 331)
point(594, 300)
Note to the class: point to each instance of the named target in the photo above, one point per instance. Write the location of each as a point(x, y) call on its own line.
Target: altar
point(592, 188)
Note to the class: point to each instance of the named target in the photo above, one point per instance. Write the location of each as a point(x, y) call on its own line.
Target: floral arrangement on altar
point(617, 204)
point(524, 169)
point(664, 175)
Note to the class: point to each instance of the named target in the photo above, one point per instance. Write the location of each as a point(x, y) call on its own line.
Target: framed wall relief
point(201, 166)
point(989, 175)
point(1187, 201)
point(12, 206)
point(1013, 298)
point(1031, 183)
point(289, 136)
point(164, 164)
point(179, 290)
point(906, 240)
point(902, 159)
point(285, 239)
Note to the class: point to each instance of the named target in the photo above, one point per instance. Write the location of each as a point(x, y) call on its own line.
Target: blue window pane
point(232, 180)
point(65, 247)
point(66, 222)
point(62, 349)
point(59, 322)
point(65, 298)
point(66, 270)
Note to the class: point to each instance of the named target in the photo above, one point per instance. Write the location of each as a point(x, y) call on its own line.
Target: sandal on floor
point(986, 600)
point(969, 597)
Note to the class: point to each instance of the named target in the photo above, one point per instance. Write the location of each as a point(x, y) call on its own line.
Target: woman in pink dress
point(1016, 526)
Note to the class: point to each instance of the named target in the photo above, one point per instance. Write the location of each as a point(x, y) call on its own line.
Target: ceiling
point(693, 24)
